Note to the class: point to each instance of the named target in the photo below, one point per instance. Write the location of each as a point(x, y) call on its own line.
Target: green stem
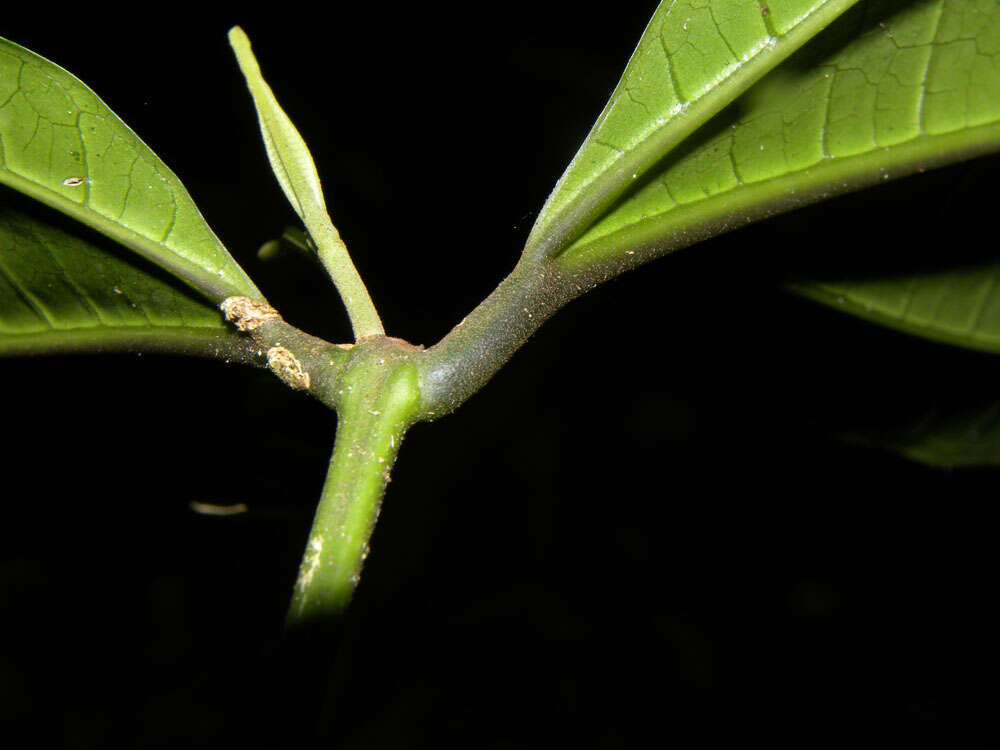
point(333, 254)
point(377, 399)
point(474, 350)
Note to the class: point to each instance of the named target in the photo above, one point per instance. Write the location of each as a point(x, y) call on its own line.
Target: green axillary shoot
point(292, 240)
point(297, 175)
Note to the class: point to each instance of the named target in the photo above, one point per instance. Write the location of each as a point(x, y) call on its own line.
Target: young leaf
point(960, 306)
point(60, 293)
point(891, 88)
point(61, 145)
point(693, 59)
point(296, 173)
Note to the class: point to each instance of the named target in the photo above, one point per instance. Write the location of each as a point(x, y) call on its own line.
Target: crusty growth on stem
point(287, 367)
point(247, 314)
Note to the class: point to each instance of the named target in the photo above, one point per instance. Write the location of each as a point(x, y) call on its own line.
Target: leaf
point(288, 153)
point(61, 293)
point(959, 306)
point(293, 166)
point(893, 87)
point(694, 58)
point(61, 145)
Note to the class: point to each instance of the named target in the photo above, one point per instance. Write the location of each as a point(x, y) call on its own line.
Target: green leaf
point(293, 166)
point(61, 293)
point(61, 145)
point(893, 87)
point(959, 306)
point(288, 153)
point(694, 58)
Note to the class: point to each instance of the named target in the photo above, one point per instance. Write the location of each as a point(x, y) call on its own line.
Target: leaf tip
point(240, 44)
point(237, 37)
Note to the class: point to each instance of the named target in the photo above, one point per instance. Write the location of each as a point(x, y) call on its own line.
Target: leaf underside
point(959, 306)
point(886, 89)
point(62, 293)
point(894, 83)
point(693, 60)
point(60, 144)
point(891, 88)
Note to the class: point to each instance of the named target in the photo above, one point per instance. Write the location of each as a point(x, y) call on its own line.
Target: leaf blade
point(803, 134)
point(60, 293)
point(958, 306)
point(296, 173)
point(745, 41)
point(287, 152)
point(61, 145)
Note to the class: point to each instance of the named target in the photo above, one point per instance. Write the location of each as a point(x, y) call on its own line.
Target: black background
point(644, 525)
